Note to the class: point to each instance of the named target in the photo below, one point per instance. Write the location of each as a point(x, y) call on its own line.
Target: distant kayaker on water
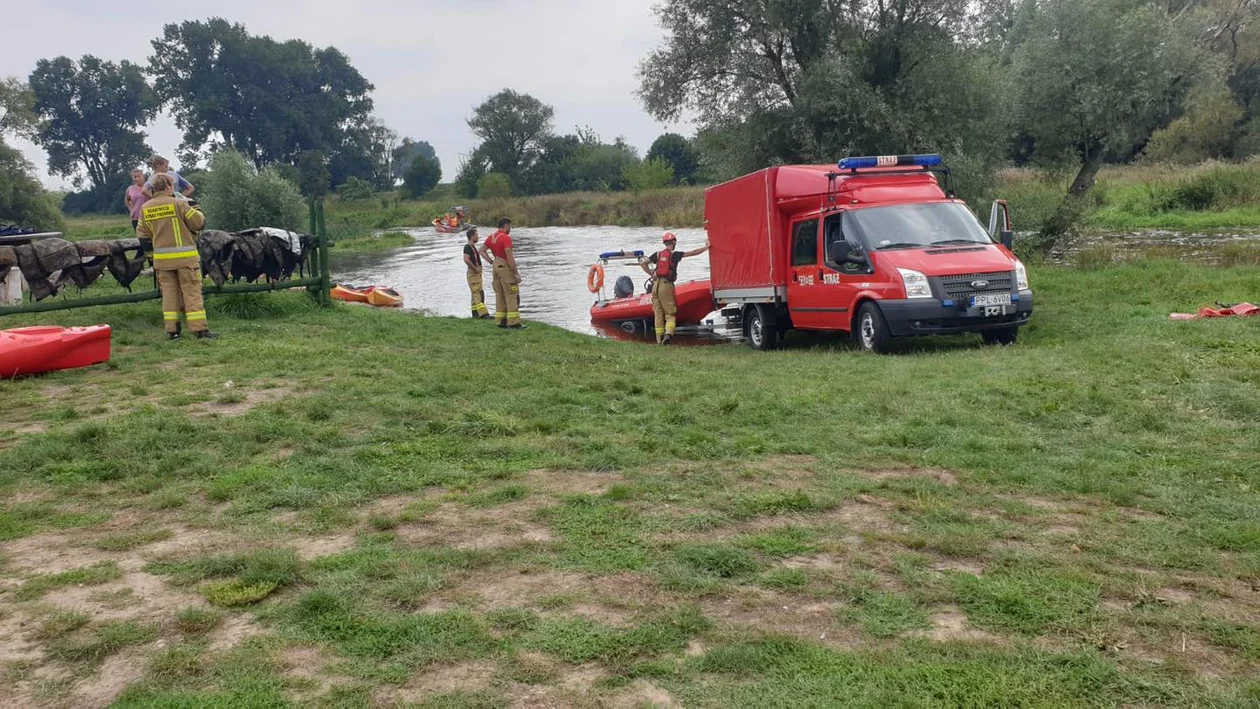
point(172, 225)
point(472, 259)
point(507, 277)
point(664, 268)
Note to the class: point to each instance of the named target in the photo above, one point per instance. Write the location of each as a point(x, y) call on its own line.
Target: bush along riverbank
point(323, 506)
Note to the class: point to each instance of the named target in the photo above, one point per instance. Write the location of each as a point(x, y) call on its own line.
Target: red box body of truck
point(881, 252)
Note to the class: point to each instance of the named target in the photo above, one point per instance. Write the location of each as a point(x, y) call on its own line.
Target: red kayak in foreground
point(695, 300)
point(35, 350)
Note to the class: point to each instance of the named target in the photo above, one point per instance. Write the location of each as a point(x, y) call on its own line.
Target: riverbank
point(325, 506)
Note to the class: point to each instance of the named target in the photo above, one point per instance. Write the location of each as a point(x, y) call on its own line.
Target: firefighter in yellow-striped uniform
point(472, 259)
point(173, 225)
point(663, 267)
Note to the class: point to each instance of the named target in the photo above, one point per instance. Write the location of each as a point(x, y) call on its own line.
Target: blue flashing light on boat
point(890, 161)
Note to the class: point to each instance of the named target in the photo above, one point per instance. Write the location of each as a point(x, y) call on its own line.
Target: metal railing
point(319, 284)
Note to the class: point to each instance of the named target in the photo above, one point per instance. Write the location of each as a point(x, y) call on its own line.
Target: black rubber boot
point(172, 335)
point(207, 335)
point(503, 324)
point(667, 339)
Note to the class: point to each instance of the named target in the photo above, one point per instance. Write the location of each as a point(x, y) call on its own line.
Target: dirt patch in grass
point(234, 631)
point(771, 613)
point(116, 673)
point(445, 679)
point(943, 477)
point(643, 694)
point(314, 547)
point(557, 483)
point(238, 400)
point(950, 624)
point(458, 527)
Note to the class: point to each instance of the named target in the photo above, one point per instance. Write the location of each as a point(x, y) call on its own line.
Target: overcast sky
point(430, 60)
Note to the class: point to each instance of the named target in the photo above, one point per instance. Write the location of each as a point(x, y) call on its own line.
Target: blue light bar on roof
point(890, 161)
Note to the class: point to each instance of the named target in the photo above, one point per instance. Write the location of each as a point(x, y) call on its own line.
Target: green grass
point(1201, 197)
point(793, 527)
point(97, 574)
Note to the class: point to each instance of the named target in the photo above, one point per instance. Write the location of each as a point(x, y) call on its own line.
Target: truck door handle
point(820, 274)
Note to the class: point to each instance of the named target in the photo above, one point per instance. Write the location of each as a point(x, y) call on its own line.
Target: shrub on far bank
point(651, 174)
point(494, 185)
point(237, 197)
point(355, 188)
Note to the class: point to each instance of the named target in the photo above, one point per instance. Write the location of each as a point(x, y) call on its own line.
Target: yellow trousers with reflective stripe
point(507, 295)
point(478, 290)
point(181, 293)
point(664, 307)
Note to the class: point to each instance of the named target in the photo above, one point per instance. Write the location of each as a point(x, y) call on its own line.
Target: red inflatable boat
point(35, 350)
point(695, 300)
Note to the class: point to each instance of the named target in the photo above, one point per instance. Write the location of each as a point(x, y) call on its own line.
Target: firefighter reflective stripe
point(171, 252)
point(196, 315)
point(168, 315)
point(175, 223)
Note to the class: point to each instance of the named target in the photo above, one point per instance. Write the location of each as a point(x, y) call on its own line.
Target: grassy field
point(350, 507)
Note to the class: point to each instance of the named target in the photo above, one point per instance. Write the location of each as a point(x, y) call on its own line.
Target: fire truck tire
point(871, 331)
point(760, 329)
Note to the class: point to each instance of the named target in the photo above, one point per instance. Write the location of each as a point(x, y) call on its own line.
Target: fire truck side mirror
point(1008, 239)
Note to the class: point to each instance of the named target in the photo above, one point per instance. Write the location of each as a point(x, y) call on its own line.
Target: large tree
point(269, 100)
point(813, 80)
point(17, 108)
point(90, 113)
point(679, 154)
point(513, 128)
point(405, 152)
point(1095, 78)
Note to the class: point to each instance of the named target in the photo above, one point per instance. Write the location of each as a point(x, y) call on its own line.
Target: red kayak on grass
point(695, 300)
point(35, 350)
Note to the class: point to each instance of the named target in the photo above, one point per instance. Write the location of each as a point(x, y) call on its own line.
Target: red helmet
point(669, 236)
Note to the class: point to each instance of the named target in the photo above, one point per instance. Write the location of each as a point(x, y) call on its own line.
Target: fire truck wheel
point(871, 332)
point(761, 332)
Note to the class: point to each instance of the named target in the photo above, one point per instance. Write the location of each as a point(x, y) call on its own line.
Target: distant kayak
point(385, 297)
point(36, 350)
point(695, 300)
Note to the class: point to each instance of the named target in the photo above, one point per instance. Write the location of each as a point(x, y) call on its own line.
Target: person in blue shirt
point(162, 166)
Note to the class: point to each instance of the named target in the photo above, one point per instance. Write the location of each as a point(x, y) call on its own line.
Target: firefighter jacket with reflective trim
point(173, 226)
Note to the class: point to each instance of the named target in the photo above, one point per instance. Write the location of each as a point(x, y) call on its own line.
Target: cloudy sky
point(431, 60)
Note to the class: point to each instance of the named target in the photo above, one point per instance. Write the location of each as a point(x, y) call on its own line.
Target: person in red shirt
point(665, 271)
point(507, 278)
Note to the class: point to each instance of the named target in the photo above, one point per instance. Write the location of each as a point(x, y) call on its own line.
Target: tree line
point(303, 109)
point(1058, 83)
point(1064, 84)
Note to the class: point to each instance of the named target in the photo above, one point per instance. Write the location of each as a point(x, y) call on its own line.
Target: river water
point(430, 274)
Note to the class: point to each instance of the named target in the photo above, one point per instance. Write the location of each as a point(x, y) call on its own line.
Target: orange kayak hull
point(350, 294)
point(385, 298)
point(36, 350)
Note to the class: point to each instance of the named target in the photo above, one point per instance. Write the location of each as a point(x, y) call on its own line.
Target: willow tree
point(1096, 78)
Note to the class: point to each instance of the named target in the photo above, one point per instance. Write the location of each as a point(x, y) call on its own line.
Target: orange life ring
point(595, 278)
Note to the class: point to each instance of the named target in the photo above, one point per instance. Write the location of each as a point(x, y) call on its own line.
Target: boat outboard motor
point(624, 287)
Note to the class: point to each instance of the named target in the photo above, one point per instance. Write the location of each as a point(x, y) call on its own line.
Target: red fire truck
point(874, 246)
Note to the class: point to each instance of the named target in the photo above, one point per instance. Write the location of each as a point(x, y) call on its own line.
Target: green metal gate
point(318, 284)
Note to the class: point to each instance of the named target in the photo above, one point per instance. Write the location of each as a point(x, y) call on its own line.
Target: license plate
point(981, 301)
